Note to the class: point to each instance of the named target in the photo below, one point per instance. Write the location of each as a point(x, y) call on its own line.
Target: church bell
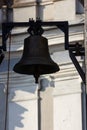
point(36, 59)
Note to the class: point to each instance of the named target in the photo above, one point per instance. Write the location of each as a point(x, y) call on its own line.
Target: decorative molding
point(32, 3)
point(67, 72)
point(17, 79)
point(45, 3)
point(24, 4)
point(20, 87)
point(57, 0)
point(66, 87)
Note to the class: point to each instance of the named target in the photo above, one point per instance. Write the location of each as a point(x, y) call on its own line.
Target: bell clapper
point(36, 76)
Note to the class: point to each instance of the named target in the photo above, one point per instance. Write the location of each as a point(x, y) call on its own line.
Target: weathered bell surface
point(36, 59)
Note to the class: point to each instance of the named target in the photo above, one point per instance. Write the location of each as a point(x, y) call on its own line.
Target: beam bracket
point(36, 28)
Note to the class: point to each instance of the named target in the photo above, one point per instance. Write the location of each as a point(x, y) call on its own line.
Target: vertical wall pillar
point(46, 104)
point(67, 105)
point(2, 106)
point(86, 38)
point(85, 28)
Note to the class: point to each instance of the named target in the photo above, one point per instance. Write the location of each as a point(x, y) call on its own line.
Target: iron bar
point(77, 65)
point(7, 27)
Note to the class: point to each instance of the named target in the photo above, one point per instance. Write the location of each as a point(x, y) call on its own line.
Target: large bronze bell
point(36, 59)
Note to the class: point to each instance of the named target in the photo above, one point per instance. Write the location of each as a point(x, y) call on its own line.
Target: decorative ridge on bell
point(36, 59)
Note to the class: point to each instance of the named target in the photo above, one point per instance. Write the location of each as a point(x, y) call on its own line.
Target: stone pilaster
point(86, 38)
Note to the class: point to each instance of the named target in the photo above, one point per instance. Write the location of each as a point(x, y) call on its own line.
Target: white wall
point(61, 96)
point(64, 10)
point(23, 14)
point(67, 105)
point(48, 10)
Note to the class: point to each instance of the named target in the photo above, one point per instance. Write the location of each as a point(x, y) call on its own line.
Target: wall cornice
point(18, 4)
point(56, 0)
point(24, 4)
point(67, 87)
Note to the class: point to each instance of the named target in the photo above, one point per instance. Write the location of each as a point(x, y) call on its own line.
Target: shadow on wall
point(21, 111)
point(21, 108)
point(15, 116)
point(15, 112)
point(25, 111)
point(2, 106)
point(45, 83)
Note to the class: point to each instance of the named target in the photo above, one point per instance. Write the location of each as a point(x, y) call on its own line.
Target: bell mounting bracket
point(35, 28)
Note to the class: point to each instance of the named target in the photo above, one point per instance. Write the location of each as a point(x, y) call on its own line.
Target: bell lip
point(18, 68)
